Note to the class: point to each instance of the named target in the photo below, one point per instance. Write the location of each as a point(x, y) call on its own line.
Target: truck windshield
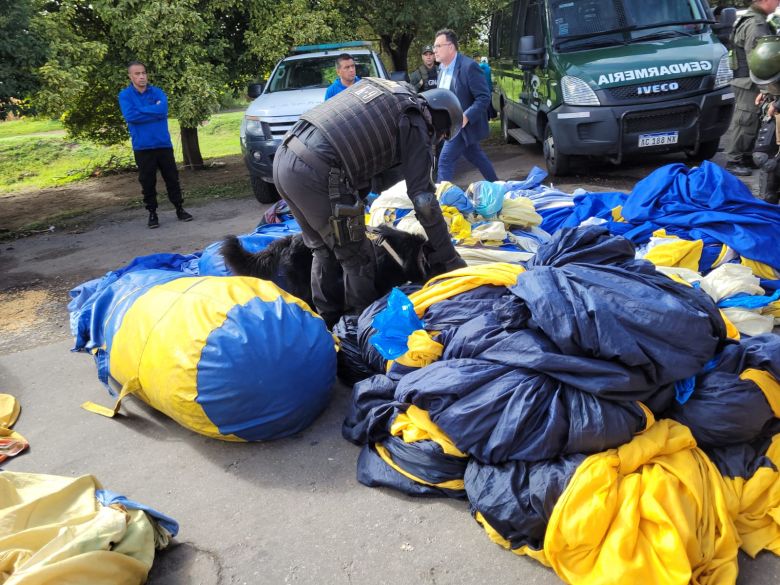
point(583, 24)
point(309, 73)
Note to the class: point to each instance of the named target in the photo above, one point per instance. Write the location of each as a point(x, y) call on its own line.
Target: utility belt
point(347, 222)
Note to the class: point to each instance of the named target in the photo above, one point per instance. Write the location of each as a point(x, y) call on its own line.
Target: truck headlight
point(724, 75)
point(253, 126)
point(577, 92)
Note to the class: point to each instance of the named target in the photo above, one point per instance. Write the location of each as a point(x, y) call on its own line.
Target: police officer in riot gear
point(764, 63)
point(744, 124)
point(326, 163)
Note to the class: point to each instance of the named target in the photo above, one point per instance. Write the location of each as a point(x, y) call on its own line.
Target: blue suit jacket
point(470, 85)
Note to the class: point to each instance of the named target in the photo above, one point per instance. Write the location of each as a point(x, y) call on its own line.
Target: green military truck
point(611, 78)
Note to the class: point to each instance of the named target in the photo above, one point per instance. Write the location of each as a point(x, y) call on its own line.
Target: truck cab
point(611, 78)
point(297, 83)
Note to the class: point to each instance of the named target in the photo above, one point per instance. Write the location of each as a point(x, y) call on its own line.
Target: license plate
point(657, 139)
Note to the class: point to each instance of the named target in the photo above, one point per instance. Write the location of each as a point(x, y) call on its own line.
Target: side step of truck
point(521, 136)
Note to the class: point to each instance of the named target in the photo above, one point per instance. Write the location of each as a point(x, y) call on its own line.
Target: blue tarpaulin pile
point(582, 362)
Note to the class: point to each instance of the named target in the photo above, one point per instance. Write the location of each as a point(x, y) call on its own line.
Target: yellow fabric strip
point(682, 253)
point(493, 535)
point(464, 279)
point(460, 229)
point(130, 387)
point(617, 214)
point(422, 351)
point(651, 511)
point(649, 416)
point(772, 308)
point(731, 330)
point(9, 410)
point(760, 269)
point(723, 251)
point(416, 425)
point(13, 443)
point(758, 518)
point(768, 385)
point(453, 484)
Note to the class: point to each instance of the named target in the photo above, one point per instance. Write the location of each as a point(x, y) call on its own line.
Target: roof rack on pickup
point(330, 46)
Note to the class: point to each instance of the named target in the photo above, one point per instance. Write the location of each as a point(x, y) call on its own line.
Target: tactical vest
point(361, 123)
point(737, 55)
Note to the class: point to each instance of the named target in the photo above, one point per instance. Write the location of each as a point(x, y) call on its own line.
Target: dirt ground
point(99, 196)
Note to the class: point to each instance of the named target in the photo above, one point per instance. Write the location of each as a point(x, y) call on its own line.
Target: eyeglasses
point(440, 46)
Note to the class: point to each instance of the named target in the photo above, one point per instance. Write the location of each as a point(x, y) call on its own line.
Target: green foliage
point(276, 27)
point(22, 50)
point(398, 23)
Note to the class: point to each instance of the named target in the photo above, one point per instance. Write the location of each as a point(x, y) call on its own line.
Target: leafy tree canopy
point(22, 51)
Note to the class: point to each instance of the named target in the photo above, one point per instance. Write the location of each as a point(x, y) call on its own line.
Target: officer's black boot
point(768, 180)
point(154, 221)
point(359, 264)
point(327, 285)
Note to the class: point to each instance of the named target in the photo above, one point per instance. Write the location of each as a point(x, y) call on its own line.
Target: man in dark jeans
point(145, 109)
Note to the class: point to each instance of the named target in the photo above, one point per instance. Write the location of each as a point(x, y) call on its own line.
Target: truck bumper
point(259, 156)
point(614, 131)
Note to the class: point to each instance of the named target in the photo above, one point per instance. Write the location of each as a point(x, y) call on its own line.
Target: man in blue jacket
point(145, 109)
point(346, 72)
point(464, 77)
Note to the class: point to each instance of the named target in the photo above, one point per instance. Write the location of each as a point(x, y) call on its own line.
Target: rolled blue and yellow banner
point(232, 358)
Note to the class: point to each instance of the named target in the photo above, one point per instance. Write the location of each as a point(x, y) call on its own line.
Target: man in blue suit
point(464, 77)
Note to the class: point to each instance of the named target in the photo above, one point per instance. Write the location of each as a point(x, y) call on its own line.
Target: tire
point(557, 164)
point(706, 151)
point(264, 192)
point(506, 126)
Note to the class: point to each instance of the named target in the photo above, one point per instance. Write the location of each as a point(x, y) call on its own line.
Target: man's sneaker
point(154, 221)
point(183, 215)
point(738, 170)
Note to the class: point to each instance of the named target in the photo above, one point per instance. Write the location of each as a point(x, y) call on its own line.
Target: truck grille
point(629, 92)
point(277, 129)
point(656, 120)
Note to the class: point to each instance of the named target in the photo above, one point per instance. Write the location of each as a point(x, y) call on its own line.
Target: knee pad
point(426, 207)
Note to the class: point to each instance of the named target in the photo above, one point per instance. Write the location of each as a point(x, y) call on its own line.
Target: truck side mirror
point(399, 76)
point(725, 24)
point(529, 55)
point(254, 90)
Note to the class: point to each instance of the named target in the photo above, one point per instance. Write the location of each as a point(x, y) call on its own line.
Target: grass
point(25, 126)
point(41, 161)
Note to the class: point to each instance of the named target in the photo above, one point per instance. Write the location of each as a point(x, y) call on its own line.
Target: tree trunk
point(398, 48)
point(190, 148)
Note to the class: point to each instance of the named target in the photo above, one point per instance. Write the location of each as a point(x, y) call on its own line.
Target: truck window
point(508, 30)
point(580, 24)
point(532, 24)
point(293, 74)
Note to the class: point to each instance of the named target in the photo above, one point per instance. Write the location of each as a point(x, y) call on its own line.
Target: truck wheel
point(705, 151)
point(506, 126)
point(558, 164)
point(264, 192)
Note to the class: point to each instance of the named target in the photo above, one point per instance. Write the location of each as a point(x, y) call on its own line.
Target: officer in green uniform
point(764, 63)
point(425, 76)
point(744, 125)
point(325, 166)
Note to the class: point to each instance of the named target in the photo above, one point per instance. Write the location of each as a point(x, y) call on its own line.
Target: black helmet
point(444, 100)
point(764, 63)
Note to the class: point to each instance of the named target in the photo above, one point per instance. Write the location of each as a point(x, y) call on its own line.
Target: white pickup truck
point(297, 84)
